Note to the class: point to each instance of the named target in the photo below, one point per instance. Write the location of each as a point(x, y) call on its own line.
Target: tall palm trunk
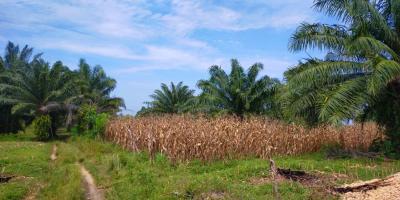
point(8, 122)
point(53, 130)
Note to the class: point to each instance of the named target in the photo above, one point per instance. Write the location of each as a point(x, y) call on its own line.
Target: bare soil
point(212, 196)
point(92, 192)
point(387, 188)
point(53, 155)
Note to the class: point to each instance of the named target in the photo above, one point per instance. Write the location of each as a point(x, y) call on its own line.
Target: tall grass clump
point(186, 137)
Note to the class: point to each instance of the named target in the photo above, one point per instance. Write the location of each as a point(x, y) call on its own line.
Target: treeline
point(358, 79)
point(239, 93)
point(51, 95)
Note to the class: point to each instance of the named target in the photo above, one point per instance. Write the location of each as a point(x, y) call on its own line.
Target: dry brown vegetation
point(187, 137)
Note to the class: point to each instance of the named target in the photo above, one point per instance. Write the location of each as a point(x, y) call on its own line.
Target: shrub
point(336, 151)
point(42, 127)
point(101, 121)
point(86, 118)
point(385, 146)
point(90, 122)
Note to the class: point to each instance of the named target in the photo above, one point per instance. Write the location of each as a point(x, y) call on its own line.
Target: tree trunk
point(53, 130)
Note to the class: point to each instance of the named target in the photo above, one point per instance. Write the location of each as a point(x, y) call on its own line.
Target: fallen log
point(5, 178)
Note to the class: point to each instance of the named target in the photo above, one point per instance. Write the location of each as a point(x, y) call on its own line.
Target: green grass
point(29, 160)
point(127, 175)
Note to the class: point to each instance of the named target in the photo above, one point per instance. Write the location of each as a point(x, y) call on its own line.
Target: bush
point(42, 127)
point(101, 121)
point(90, 122)
point(385, 146)
point(336, 151)
point(86, 118)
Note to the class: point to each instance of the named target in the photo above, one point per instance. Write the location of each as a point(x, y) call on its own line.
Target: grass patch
point(28, 161)
point(126, 175)
point(36, 174)
point(64, 183)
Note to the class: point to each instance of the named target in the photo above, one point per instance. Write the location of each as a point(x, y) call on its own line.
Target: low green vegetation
point(91, 122)
point(126, 175)
point(27, 160)
point(35, 175)
point(132, 176)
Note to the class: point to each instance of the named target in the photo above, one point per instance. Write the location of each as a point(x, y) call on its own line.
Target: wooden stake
point(274, 174)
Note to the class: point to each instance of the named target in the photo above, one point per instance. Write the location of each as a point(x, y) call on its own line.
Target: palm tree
point(96, 88)
point(239, 92)
point(2, 67)
point(169, 100)
point(14, 58)
point(38, 89)
point(360, 75)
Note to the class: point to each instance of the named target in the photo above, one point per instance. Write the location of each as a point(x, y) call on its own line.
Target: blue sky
point(144, 43)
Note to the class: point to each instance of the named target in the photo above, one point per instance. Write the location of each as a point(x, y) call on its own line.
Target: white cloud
point(187, 16)
point(108, 51)
point(137, 19)
point(164, 58)
point(132, 30)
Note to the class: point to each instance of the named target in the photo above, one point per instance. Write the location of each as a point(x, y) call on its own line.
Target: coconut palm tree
point(177, 98)
point(239, 92)
point(96, 88)
point(360, 75)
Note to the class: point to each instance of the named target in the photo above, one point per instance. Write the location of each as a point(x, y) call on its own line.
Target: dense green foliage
point(32, 88)
point(14, 58)
point(96, 87)
point(170, 100)
point(42, 127)
point(91, 122)
point(239, 92)
point(359, 77)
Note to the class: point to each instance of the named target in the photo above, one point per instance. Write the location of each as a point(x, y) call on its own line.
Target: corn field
point(183, 138)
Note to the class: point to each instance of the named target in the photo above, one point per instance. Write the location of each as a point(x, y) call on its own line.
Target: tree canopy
point(359, 76)
point(175, 99)
point(238, 92)
point(30, 88)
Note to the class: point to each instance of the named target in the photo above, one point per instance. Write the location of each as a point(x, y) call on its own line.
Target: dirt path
point(387, 188)
point(53, 155)
point(92, 192)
